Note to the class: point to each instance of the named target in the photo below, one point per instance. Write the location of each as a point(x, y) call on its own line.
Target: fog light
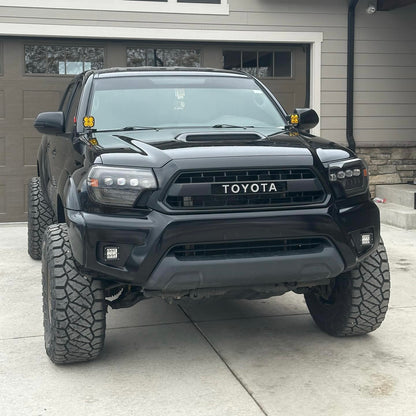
point(366, 239)
point(111, 253)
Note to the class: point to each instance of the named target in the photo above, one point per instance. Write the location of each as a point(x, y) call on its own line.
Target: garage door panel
point(2, 199)
point(30, 151)
point(13, 152)
point(289, 98)
point(18, 154)
point(28, 130)
point(37, 101)
point(25, 191)
point(13, 104)
point(11, 202)
point(2, 151)
point(13, 197)
point(2, 104)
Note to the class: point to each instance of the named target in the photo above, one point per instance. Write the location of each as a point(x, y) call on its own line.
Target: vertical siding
point(385, 53)
point(386, 77)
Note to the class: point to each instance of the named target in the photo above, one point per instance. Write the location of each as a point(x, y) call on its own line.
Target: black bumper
point(146, 244)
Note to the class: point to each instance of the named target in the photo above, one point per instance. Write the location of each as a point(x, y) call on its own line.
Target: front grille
point(266, 248)
point(244, 175)
point(275, 187)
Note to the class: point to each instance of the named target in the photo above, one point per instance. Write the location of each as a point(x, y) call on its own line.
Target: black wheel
point(74, 307)
point(39, 215)
point(356, 302)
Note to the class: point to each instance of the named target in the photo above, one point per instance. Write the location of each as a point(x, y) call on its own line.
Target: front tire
point(74, 307)
point(356, 302)
point(39, 215)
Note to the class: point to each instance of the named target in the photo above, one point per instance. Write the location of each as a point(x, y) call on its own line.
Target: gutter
point(350, 74)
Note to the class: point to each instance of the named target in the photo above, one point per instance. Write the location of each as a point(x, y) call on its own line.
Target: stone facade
point(389, 165)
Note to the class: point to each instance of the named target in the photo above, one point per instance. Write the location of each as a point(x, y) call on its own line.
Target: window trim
point(170, 6)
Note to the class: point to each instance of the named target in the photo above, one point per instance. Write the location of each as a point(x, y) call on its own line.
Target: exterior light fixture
point(372, 8)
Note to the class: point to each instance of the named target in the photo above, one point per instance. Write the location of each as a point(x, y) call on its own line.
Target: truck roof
point(147, 70)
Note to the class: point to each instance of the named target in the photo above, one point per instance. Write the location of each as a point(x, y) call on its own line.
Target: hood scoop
point(220, 137)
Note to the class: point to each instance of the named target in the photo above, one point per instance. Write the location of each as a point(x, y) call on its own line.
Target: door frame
point(314, 39)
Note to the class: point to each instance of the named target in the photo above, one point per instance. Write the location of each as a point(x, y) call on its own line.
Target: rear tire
point(39, 215)
point(356, 302)
point(74, 307)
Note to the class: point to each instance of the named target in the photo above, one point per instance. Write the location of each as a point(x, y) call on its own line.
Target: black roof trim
point(150, 69)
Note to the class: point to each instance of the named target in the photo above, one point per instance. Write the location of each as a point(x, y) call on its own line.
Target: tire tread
point(77, 328)
point(40, 216)
point(362, 299)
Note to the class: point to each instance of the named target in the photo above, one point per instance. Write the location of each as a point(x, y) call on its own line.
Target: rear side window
point(67, 98)
point(70, 117)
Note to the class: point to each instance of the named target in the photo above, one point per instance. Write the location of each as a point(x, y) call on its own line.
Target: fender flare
point(71, 200)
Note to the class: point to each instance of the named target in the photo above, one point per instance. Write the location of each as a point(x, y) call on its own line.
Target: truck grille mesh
point(193, 190)
point(244, 175)
point(213, 251)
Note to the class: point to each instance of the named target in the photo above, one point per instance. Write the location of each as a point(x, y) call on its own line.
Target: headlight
point(348, 177)
point(119, 186)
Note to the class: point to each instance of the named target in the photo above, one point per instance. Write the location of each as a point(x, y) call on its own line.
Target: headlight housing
point(115, 186)
point(348, 177)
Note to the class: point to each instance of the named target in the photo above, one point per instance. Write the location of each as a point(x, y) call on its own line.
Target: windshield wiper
point(278, 132)
point(230, 126)
point(127, 128)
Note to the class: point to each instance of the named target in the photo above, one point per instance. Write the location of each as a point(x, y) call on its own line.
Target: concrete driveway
point(219, 358)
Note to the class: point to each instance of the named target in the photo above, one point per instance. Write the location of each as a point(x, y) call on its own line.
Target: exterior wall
point(385, 79)
point(389, 165)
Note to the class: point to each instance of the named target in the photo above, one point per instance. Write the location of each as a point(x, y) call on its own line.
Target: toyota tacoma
point(193, 183)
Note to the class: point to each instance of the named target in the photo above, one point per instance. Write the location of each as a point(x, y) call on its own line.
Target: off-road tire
point(74, 307)
point(356, 302)
point(39, 215)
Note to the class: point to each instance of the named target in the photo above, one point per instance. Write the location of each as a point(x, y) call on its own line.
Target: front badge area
point(248, 188)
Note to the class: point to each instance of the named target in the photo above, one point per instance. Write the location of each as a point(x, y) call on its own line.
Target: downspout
point(350, 74)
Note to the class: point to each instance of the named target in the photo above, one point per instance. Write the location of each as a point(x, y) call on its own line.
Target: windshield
point(181, 101)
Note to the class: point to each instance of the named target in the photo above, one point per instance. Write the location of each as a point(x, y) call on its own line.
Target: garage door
point(35, 72)
point(34, 75)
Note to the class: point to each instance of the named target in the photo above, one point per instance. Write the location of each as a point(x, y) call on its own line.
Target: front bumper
point(145, 246)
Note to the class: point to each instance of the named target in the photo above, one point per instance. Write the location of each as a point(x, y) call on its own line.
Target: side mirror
point(50, 123)
point(308, 118)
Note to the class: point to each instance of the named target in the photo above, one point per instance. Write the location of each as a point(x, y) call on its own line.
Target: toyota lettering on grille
point(248, 188)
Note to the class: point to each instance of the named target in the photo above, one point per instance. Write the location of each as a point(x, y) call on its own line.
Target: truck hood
point(156, 148)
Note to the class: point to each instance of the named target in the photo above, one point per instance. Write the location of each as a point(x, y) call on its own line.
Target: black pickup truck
point(186, 184)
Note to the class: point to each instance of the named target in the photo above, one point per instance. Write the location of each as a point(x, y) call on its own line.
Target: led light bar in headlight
point(119, 186)
point(348, 177)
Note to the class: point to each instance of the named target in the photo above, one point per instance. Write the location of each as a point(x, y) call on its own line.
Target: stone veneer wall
point(389, 165)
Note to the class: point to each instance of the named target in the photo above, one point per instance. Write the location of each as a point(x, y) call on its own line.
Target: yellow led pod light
point(89, 122)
